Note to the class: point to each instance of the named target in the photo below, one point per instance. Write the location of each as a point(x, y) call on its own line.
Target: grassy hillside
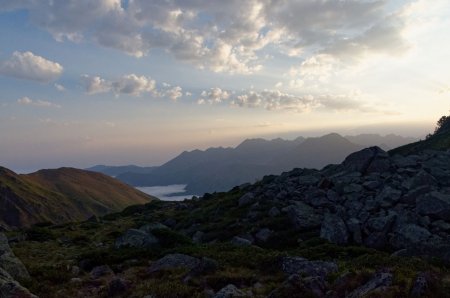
point(61, 195)
point(439, 141)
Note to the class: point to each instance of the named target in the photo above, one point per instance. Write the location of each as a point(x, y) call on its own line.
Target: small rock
point(274, 212)
point(238, 241)
point(75, 270)
point(263, 235)
point(100, 271)
point(198, 237)
point(230, 291)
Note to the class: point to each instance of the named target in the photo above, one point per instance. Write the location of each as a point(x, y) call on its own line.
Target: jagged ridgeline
point(376, 225)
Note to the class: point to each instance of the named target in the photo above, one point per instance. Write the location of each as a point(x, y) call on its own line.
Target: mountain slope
point(113, 171)
point(61, 195)
point(439, 141)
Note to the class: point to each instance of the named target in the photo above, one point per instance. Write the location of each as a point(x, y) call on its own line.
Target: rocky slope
point(373, 226)
point(61, 195)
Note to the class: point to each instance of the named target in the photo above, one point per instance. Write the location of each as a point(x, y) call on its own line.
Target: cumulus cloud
point(39, 103)
point(214, 95)
point(29, 66)
point(276, 100)
point(130, 84)
point(133, 85)
point(94, 85)
point(228, 36)
point(172, 93)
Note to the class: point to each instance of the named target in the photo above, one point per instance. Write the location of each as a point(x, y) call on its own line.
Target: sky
point(115, 82)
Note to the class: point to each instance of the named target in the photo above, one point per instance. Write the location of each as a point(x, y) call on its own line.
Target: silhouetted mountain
point(113, 171)
point(219, 169)
point(61, 195)
point(318, 152)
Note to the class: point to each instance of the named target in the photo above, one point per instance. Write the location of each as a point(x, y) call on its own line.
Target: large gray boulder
point(334, 229)
point(10, 288)
point(9, 262)
point(410, 236)
point(434, 204)
point(303, 216)
point(362, 160)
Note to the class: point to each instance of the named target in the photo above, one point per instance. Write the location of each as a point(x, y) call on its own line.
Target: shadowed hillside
point(61, 195)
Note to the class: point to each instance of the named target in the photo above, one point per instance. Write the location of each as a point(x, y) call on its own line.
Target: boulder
point(434, 204)
point(137, 238)
point(378, 282)
point(9, 262)
point(10, 288)
point(302, 266)
point(263, 235)
point(409, 235)
point(361, 161)
point(274, 212)
point(230, 291)
point(334, 229)
point(303, 216)
point(238, 241)
point(247, 199)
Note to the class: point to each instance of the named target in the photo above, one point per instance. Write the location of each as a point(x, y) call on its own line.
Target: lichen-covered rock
point(334, 229)
point(9, 262)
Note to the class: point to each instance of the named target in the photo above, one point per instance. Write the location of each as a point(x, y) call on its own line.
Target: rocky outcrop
point(381, 201)
point(11, 269)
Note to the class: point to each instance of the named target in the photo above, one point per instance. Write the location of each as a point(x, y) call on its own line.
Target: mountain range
point(219, 169)
point(375, 225)
point(61, 195)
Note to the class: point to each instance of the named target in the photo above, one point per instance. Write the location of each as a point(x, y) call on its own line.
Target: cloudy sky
point(137, 81)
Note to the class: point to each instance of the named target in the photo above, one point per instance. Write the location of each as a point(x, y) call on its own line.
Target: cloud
point(228, 36)
point(130, 84)
point(31, 67)
point(214, 95)
point(60, 87)
point(276, 100)
point(39, 103)
point(94, 85)
point(133, 85)
point(173, 93)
